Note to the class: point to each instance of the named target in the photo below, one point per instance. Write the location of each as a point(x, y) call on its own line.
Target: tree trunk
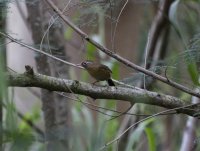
point(55, 107)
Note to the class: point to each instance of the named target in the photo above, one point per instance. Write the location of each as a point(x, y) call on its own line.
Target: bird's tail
point(110, 82)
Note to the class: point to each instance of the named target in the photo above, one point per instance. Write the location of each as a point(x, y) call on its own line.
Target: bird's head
point(86, 63)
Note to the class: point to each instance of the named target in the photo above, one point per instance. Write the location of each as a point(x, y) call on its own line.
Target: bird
point(99, 72)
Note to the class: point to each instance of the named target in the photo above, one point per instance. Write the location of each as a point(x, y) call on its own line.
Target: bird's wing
point(104, 67)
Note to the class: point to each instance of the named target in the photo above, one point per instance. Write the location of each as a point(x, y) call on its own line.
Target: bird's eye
point(84, 64)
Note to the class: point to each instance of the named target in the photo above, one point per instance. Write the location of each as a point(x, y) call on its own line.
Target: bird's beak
point(79, 65)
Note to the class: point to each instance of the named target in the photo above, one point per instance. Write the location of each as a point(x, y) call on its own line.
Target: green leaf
point(115, 70)
point(33, 115)
point(192, 69)
point(135, 136)
point(68, 33)
point(91, 49)
point(151, 139)
point(173, 12)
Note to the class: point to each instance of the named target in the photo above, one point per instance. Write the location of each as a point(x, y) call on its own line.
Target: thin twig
point(118, 137)
point(37, 50)
point(116, 25)
point(107, 109)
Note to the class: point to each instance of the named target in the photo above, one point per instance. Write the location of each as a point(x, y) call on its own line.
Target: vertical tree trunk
point(55, 108)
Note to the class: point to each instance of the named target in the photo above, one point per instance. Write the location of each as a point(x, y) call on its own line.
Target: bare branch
point(31, 79)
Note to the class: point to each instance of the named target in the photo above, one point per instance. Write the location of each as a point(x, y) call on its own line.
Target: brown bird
point(98, 71)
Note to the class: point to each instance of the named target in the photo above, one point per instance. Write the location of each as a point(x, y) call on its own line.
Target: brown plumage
point(98, 71)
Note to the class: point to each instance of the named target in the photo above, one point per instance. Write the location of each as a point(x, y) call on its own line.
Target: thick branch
point(30, 79)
